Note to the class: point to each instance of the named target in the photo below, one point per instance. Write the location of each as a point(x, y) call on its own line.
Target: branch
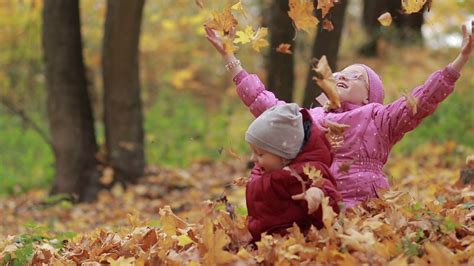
point(26, 119)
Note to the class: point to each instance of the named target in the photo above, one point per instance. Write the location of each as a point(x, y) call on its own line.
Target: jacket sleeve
point(284, 185)
point(253, 93)
point(396, 119)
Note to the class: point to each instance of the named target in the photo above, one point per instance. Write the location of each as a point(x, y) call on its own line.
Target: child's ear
point(366, 101)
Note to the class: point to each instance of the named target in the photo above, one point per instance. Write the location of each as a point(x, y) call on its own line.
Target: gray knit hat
point(279, 130)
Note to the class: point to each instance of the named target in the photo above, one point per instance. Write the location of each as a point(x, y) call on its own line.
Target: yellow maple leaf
point(328, 216)
point(258, 40)
point(385, 19)
point(313, 174)
point(284, 48)
point(214, 241)
point(325, 6)
point(239, 7)
point(301, 12)
point(412, 6)
point(244, 36)
point(324, 79)
point(222, 21)
point(170, 221)
point(228, 44)
point(121, 261)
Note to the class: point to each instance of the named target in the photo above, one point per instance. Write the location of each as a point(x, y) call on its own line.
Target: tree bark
point(326, 43)
point(69, 111)
point(122, 104)
point(280, 66)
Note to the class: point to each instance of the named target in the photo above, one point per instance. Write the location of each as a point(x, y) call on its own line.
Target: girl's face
point(352, 85)
point(265, 160)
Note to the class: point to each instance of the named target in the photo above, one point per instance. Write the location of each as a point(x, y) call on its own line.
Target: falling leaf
point(301, 12)
point(412, 6)
point(222, 21)
point(313, 174)
point(344, 167)
point(233, 154)
point(240, 181)
point(385, 19)
point(238, 7)
point(258, 39)
point(335, 133)
point(284, 48)
point(324, 79)
point(412, 102)
point(199, 3)
point(228, 44)
point(244, 36)
point(107, 176)
point(325, 6)
point(327, 25)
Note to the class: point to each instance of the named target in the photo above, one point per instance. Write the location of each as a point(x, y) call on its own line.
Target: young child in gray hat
point(285, 136)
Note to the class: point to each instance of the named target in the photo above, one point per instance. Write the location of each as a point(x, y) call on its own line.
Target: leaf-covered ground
point(197, 216)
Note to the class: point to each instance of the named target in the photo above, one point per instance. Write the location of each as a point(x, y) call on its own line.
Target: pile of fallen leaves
point(196, 216)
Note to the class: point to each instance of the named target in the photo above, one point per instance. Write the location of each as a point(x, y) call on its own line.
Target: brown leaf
point(324, 79)
point(327, 25)
point(284, 48)
point(199, 3)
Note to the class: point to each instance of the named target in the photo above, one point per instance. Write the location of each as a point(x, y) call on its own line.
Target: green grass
point(26, 161)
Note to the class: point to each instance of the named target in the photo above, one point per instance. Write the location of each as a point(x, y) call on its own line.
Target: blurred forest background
point(97, 94)
point(179, 106)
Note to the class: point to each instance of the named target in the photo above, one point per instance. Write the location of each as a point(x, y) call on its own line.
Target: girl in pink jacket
point(374, 127)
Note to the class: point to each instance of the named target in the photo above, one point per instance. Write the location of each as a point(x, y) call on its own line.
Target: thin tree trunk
point(280, 66)
point(122, 104)
point(326, 43)
point(69, 111)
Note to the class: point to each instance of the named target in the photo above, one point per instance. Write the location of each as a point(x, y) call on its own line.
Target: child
point(374, 127)
point(281, 137)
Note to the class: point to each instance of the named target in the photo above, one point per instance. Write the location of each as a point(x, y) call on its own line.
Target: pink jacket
point(374, 129)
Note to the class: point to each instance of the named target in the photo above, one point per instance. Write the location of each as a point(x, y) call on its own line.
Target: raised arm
point(249, 86)
point(400, 117)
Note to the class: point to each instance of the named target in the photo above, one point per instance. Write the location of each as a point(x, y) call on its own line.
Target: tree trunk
point(280, 66)
point(122, 104)
point(69, 111)
point(326, 43)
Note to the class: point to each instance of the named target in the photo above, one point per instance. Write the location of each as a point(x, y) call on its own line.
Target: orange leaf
point(325, 6)
point(302, 14)
point(413, 6)
point(327, 25)
point(323, 77)
point(284, 48)
point(222, 21)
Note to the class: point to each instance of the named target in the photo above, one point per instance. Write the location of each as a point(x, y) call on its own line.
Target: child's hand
point(313, 196)
point(216, 41)
point(466, 47)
